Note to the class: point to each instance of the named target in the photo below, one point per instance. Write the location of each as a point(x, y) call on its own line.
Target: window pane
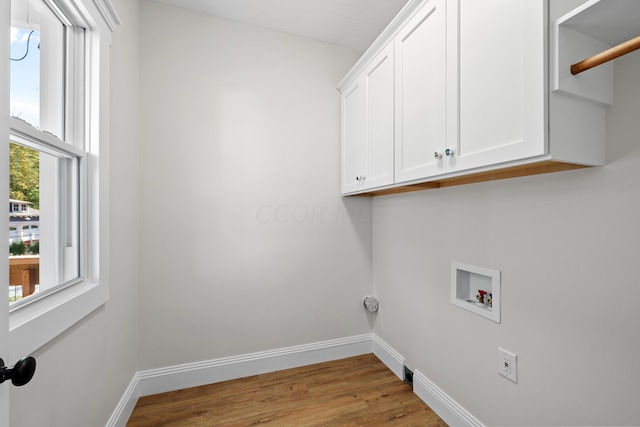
point(25, 75)
point(37, 66)
point(43, 219)
point(24, 193)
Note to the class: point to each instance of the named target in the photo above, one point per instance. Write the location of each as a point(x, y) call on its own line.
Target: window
point(46, 154)
point(54, 193)
point(58, 128)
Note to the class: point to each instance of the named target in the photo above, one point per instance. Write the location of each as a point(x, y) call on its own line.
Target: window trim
point(34, 325)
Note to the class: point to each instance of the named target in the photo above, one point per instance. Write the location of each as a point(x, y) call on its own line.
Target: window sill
point(36, 324)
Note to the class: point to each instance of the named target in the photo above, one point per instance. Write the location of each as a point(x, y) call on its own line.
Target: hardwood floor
point(357, 391)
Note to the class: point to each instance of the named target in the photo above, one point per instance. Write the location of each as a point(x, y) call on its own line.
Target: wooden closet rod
point(606, 56)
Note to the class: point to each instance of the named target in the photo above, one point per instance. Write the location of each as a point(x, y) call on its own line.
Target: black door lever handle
point(21, 373)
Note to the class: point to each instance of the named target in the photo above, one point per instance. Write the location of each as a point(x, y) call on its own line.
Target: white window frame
point(36, 323)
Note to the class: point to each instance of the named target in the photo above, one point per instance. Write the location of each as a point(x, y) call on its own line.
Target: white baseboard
point(127, 403)
point(388, 356)
point(178, 377)
point(442, 404)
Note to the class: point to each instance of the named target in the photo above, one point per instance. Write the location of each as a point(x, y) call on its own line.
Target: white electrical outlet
point(508, 364)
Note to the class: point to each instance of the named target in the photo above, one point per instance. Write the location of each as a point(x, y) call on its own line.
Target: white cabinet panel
point(501, 89)
point(353, 136)
point(420, 49)
point(380, 111)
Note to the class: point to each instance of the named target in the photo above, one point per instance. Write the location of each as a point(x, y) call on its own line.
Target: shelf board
point(608, 21)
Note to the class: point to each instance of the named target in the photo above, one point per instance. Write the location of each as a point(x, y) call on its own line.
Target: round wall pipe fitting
point(371, 304)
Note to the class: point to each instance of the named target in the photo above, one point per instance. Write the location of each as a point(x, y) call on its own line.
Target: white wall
point(567, 245)
point(81, 375)
point(246, 244)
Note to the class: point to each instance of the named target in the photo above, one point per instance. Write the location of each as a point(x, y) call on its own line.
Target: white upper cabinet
point(501, 81)
point(367, 131)
point(421, 91)
point(456, 91)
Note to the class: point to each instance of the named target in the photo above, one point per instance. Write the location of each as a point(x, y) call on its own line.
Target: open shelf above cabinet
point(589, 30)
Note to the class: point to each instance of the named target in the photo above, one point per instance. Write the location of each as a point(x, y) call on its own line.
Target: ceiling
point(351, 23)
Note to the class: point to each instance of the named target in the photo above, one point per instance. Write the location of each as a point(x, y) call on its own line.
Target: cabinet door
point(420, 51)
point(367, 126)
point(378, 81)
point(353, 136)
point(502, 83)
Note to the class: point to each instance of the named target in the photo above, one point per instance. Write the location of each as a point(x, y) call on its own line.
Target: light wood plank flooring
point(357, 391)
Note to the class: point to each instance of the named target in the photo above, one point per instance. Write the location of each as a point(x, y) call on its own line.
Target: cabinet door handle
point(437, 155)
point(449, 151)
point(360, 178)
